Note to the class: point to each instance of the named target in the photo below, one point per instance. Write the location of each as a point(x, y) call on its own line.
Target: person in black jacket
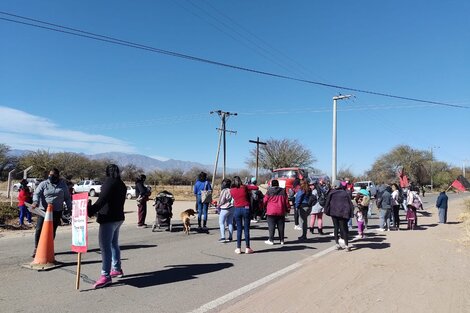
point(142, 193)
point(110, 209)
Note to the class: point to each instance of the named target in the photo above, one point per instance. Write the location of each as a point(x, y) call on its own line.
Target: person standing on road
point(340, 207)
point(317, 209)
point(363, 200)
point(396, 206)
point(291, 193)
point(301, 204)
point(142, 193)
point(53, 191)
point(276, 204)
point(110, 209)
point(24, 195)
point(442, 204)
point(241, 202)
point(225, 206)
point(385, 209)
point(202, 208)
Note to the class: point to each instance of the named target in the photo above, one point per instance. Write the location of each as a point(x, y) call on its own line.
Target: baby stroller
point(163, 208)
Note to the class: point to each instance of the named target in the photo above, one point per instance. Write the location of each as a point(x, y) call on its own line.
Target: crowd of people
point(238, 205)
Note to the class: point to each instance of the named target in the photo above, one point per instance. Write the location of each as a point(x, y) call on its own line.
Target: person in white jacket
point(225, 207)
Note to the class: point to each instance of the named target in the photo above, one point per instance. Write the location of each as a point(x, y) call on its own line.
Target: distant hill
point(148, 163)
point(139, 160)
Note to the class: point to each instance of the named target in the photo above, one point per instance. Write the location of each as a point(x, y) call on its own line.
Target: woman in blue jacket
point(301, 204)
point(202, 208)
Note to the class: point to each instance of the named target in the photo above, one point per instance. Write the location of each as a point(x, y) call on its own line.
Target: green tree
point(279, 153)
point(7, 162)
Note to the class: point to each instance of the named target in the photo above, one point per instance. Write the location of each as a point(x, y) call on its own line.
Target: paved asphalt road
point(164, 272)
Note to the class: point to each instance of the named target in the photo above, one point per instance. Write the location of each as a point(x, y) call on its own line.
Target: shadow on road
point(123, 247)
point(285, 248)
point(174, 273)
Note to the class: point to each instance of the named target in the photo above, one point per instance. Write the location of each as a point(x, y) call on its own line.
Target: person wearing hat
point(340, 208)
point(24, 195)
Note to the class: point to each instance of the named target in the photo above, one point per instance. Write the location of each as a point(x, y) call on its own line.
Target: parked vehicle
point(92, 187)
point(32, 184)
point(130, 192)
point(370, 187)
point(287, 175)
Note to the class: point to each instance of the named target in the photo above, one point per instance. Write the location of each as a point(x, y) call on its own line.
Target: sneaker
point(229, 239)
point(269, 242)
point(103, 281)
point(141, 226)
point(338, 247)
point(381, 229)
point(282, 243)
point(254, 221)
point(249, 251)
point(238, 251)
point(347, 248)
point(117, 273)
point(297, 227)
point(359, 237)
point(222, 240)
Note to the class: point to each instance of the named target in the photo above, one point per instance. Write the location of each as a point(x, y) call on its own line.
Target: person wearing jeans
point(110, 209)
point(301, 203)
point(226, 209)
point(385, 209)
point(239, 193)
point(202, 208)
point(277, 204)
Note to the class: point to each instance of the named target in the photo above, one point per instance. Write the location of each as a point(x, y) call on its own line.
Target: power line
point(80, 33)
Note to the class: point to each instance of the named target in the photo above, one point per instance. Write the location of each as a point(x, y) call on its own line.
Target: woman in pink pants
point(317, 212)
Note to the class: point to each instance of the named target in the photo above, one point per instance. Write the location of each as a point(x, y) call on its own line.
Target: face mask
point(53, 179)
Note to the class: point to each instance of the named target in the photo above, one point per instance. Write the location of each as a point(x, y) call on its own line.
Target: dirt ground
point(425, 270)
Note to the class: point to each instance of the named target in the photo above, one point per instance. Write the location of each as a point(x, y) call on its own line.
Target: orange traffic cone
point(44, 258)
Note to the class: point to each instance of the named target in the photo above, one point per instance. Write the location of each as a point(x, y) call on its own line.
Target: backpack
point(321, 197)
point(400, 197)
point(312, 200)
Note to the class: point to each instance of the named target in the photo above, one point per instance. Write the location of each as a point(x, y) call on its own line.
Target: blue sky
point(65, 93)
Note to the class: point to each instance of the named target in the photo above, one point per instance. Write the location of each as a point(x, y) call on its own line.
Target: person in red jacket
point(277, 204)
point(24, 196)
point(241, 202)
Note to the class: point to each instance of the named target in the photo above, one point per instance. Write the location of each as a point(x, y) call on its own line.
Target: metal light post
point(432, 160)
point(333, 156)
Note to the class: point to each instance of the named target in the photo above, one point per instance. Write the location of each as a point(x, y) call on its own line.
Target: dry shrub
point(465, 218)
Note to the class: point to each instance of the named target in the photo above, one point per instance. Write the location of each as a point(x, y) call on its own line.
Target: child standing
point(360, 223)
point(24, 195)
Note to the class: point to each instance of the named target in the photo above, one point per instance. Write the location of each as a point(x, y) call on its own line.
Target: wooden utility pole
point(257, 153)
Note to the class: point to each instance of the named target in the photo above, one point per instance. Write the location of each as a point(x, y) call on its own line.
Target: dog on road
point(185, 218)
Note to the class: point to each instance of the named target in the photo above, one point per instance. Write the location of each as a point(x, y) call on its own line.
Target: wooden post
point(79, 265)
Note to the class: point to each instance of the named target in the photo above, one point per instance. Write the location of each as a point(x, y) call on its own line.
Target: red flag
point(404, 181)
point(458, 185)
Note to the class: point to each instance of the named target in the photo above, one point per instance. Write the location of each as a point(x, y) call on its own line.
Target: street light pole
point(333, 157)
point(432, 160)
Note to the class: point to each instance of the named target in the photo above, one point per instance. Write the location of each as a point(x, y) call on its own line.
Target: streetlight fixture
point(333, 157)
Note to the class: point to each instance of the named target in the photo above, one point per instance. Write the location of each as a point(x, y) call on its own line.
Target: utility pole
point(464, 167)
point(257, 153)
point(333, 156)
point(222, 131)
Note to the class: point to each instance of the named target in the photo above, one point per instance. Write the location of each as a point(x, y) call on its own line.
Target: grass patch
point(8, 212)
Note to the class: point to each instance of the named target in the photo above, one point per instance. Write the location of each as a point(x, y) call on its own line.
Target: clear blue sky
point(66, 93)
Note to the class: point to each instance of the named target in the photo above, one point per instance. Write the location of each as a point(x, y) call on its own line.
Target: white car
point(130, 192)
point(32, 184)
point(370, 187)
point(92, 187)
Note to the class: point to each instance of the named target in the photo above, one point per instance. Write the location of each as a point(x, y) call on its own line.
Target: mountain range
point(146, 163)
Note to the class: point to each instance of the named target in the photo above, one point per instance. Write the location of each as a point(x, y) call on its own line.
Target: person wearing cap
point(24, 195)
point(340, 208)
point(142, 193)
